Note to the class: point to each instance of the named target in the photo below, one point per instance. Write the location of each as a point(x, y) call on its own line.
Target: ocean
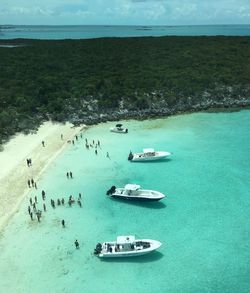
point(203, 223)
point(99, 31)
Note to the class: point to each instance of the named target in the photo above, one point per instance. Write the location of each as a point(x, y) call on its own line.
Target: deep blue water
point(97, 31)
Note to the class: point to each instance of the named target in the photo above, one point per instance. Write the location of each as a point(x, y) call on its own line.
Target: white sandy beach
point(14, 172)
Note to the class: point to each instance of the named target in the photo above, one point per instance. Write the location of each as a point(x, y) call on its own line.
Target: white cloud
point(126, 11)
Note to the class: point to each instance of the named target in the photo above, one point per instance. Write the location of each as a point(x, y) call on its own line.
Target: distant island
point(89, 81)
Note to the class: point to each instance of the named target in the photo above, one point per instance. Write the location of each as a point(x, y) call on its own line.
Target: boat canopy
point(118, 125)
point(150, 150)
point(125, 239)
point(132, 186)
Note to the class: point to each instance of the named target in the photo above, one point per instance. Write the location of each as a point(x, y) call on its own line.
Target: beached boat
point(134, 192)
point(148, 155)
point(126, 246)
point(119, 129)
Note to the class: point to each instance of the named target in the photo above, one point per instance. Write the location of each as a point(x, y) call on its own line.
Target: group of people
point(69, 175)
point(31, 183)
point(92, 144)
point(33, 202)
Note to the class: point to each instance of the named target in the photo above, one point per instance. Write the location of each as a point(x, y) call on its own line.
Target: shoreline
point(19, 171)
point(13, 178)
point(156, 112)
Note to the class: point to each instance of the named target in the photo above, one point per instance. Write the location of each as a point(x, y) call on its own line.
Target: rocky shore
point(90, 114)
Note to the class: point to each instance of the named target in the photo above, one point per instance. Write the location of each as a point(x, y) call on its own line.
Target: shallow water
point(203, 223)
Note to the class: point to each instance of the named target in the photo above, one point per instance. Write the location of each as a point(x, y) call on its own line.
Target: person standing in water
point(77, 244)
point(71, 174)
point(43, 194)
point(63, 223)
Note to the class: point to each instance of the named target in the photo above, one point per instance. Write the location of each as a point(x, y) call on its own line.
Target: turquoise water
point(99, 31)
point(203, 222)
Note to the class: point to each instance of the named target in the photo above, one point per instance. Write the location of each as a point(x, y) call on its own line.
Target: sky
point(124, 12)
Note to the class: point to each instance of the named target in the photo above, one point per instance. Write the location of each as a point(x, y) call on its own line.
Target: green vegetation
point(60, 80)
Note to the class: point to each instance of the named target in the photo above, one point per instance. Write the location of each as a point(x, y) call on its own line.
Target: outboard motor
point(130, 156)
point(126, 130)
point(111, 190)
point(98, 248)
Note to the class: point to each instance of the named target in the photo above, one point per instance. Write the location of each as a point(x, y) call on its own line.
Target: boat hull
point(154, 245)
point(119, 131)
point(135, 198)
point(141, 157)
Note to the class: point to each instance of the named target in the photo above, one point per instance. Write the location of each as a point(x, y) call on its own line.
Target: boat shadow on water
point(145, 204)
point(153, 256)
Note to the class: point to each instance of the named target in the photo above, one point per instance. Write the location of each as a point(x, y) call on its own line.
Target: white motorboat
point(119, 129)
point(134, 192)
point(126, 246)
point(148, 155)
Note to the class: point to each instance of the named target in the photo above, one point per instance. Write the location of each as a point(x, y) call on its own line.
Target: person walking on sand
point(31, 216)
point(28, 162)
point(77, 244)
point(29, 210)
point(43, 143)
point(35, 185)
point(63, 223)
point(35, 199)
point(61, 136)
point(44, 207)
point(30, 201)
point(32, 182)
point(73, 141)
point(28, 183)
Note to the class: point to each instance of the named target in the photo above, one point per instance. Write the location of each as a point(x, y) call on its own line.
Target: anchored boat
point(148, 155)
point(126, 246)
point(119, 129)
point(134, 192)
